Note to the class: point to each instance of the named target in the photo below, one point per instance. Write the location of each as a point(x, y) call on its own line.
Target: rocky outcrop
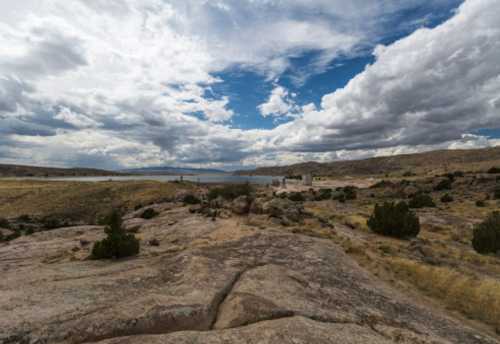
point(208, 282)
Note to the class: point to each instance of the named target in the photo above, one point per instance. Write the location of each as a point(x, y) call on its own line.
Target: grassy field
point(79, 201)
point(440, 263)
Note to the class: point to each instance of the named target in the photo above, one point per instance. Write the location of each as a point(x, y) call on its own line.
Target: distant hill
point(422, 163)
point(167, 170)
point(35, 171)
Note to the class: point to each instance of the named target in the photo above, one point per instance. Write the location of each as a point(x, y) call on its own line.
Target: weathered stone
point(208, 282)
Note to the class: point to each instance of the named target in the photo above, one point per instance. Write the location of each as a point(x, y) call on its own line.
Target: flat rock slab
point(295, 330)
point(207, 282)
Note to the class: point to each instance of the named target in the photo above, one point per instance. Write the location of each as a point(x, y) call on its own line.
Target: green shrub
point(4, 223)
point(480, 203)
point(494, 170)
point(149, 213)
point(343, 194)
point(118, 243)
point(339, 196)
point(51, 222)
point(496, 193)
point(409, 174)
point(421, 200)
point(231, 191)
point(486, 236)
point(350, 192)
point(191, 199)
point(447, 198)
point(395, 220)
point(296, 197)
point(323, 195)
point(2, 237)
point(444, 184)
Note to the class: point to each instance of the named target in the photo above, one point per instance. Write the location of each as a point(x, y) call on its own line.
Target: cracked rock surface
point(206, 282)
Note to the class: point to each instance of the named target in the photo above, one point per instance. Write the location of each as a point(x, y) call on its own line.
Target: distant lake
point(202, 178)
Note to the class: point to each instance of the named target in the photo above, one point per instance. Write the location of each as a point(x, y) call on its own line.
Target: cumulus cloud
point(280, 103)
point(127, 82)
point(419, 91)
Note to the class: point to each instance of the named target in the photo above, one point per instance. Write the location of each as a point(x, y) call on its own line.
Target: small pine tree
point(118, 243)
point(395, 220)
point(486, 235)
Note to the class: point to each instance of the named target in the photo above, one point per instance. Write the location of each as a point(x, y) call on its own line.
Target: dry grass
point(478, 298)
point(83, 201)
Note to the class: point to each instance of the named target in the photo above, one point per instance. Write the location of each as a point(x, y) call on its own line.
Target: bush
point(444, 184)
point(395, 220)
point(149, 213)
point(350, 192)
point(494, 170)
point(296, 197)
point(51, 222)
point(4, 223)
point(231, 192)
point(323, 195)
point(447, 198)
point(191, 199)
point(345, 194)
point(496, 193)
point(118, 243)
point(421, 200)
point(486, 236)
point(480, 203)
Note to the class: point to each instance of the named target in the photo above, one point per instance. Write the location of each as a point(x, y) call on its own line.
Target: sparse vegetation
point(4, 223)
point(480, 203)
point(394, 220)
point(445, 184)
point(496, 193)
point(486, 235)
point(343, 194)
point(421, 200)
point(323, 195)
point(447, 198)
point(191, 199)
point(231, 191)
point(296, 197)
point(118, 243)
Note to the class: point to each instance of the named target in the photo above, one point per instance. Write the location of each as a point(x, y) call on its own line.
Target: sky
point(236, 84)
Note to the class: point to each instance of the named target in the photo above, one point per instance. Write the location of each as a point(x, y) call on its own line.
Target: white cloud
point(126, 82)
point(280, 103)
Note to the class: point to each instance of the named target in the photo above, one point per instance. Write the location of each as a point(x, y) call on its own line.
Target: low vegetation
point(191, 199)
point(447, 198)
point(421, 200)
point(395, 220)
point(118, 243)
point(486, 235)
point(445, 184)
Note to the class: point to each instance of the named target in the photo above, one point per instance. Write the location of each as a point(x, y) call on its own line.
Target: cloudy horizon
point(236, 84)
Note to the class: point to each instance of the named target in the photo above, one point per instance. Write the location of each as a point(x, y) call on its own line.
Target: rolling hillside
point(422, 163)
point(35, 171)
